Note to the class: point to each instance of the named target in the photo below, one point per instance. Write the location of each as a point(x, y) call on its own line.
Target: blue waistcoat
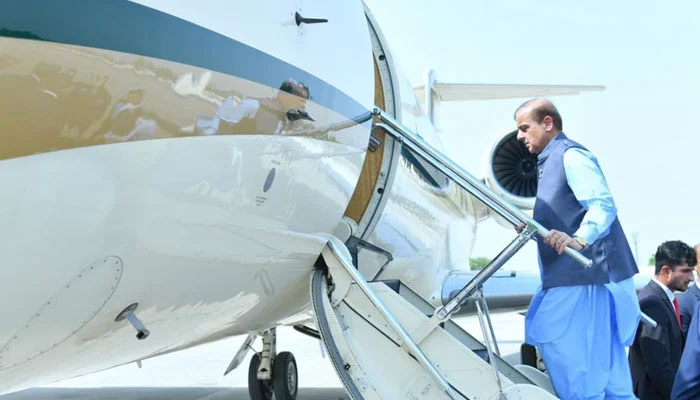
point(556, 207)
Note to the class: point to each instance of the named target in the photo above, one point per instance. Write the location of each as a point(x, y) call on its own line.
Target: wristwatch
point(581, 241)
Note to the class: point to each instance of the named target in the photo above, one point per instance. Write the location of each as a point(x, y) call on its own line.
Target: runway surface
point(155, 393)
point(197, 373)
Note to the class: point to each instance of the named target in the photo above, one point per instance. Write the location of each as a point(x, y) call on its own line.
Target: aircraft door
point(383, 152)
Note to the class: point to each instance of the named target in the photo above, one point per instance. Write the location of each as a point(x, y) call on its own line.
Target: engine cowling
point(511, 171)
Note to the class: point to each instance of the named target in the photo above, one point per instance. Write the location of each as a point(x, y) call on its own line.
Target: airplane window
point(425, 170)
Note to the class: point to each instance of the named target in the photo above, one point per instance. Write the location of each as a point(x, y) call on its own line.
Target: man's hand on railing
point(560, 241)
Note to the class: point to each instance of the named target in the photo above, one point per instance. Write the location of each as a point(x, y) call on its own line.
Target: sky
point(640, 127)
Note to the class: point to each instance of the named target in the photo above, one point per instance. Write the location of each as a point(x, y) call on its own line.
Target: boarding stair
point(386, 342)
point(378, 339)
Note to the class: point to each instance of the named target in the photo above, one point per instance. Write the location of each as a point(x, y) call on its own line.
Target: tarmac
point(197, 374)
point(158, 393)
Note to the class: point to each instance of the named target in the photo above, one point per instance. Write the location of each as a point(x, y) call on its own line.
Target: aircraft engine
point(511, 171)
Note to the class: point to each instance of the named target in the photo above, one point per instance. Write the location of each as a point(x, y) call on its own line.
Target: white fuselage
point(113, 194)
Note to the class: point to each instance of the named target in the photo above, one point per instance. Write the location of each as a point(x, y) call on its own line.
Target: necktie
point(678, 313)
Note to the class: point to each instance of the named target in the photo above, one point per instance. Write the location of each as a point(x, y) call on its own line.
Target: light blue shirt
point(586, 180)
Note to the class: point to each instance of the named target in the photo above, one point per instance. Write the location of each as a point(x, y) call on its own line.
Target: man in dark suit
point(688, 300)
point(656, 352)
point(687, 384)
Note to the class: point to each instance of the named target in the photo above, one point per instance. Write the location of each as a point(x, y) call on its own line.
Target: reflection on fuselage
point(55, 97)
point(46, 109)
point(129, 122)
point(283, 114)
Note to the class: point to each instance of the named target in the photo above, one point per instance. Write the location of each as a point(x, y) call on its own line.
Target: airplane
point(173, 175)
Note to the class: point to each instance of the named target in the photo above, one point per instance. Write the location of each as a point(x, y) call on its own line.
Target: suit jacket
point(687, 384)
point(687, 302)
point(656, 352)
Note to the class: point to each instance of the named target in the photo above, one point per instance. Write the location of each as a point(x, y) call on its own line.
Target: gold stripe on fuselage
point(56, 97)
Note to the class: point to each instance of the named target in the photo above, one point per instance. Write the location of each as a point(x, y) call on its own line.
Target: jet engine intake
point(511, 171)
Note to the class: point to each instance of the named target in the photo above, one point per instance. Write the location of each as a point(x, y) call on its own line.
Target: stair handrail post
point(492, 359)
point(482, 276)
point(482, 300)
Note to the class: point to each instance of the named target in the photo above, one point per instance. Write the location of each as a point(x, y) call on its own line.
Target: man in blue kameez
point(580, 318)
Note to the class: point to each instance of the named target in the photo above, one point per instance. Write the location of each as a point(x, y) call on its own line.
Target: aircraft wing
point(444, 92)
point(504, 290)
point(513, 290)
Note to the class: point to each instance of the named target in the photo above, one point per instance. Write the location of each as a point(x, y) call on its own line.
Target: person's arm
point(232, 113)
point(686, 305)
point(687, 383)
point(586, 180)
point(655, 347)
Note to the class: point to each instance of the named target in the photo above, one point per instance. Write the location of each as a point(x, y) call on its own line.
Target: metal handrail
point(482, 276)
point(467, 181)
point(408, 343)
point(479, 190)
